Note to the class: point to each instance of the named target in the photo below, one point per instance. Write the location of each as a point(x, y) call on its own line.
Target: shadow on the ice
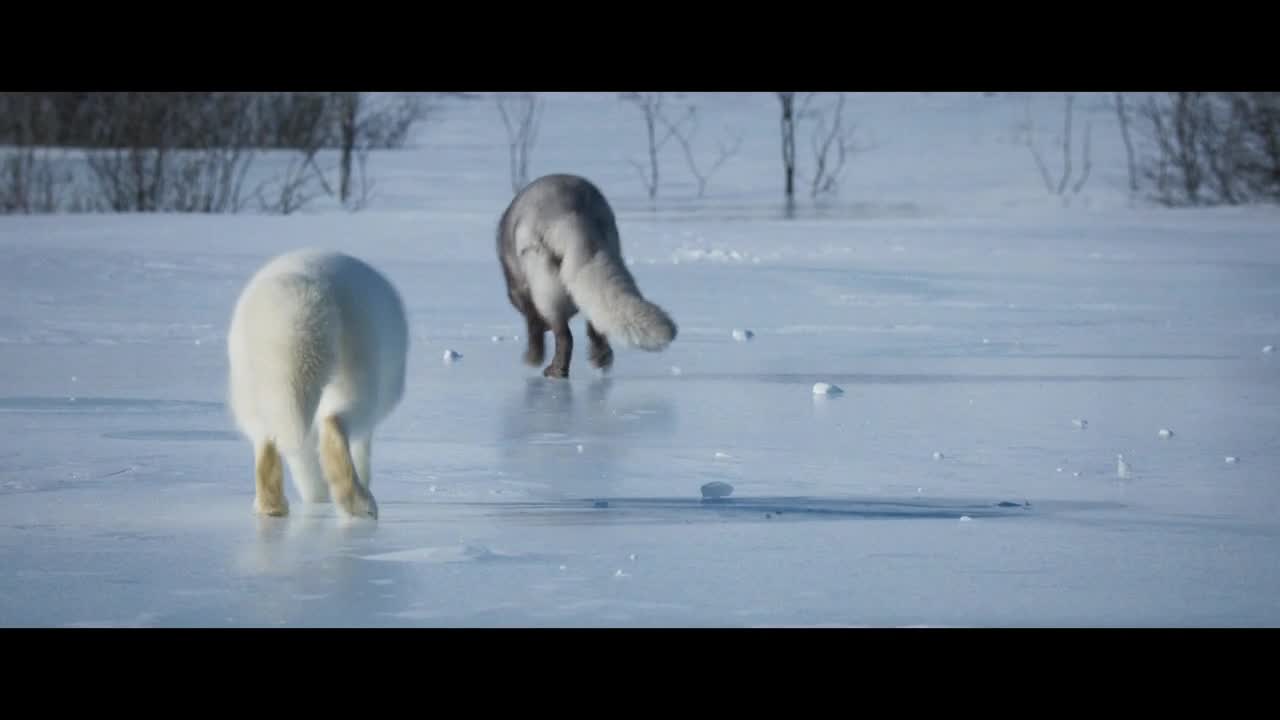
point(77, 404)
point(572, 438)
point(305, 570)
point(283, 545)
point(904, 378)
point(669, 510)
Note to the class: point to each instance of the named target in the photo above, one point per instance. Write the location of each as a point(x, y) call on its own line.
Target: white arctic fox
point(559, 250)
point(317, 347)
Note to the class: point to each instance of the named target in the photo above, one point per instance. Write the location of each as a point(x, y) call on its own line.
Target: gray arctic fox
point(560, 252)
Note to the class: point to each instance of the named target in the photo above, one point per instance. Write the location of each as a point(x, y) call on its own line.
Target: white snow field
point(961, 309)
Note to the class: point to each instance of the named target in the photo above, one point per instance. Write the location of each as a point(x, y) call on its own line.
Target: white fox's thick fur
point(317, 347)
point(560, 252)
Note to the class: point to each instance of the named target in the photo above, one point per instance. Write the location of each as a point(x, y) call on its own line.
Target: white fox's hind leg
point(308, 477)
point(335, 457)
point(269, 493)
point(361, 450)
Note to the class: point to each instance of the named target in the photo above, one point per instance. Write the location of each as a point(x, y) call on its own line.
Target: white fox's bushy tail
point(289, 345)
point(606, 292)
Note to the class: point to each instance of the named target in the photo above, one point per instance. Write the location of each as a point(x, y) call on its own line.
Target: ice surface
point(127, 494)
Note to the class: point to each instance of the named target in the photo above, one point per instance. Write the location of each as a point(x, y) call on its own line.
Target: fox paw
point(601, 356)
point(271, 508)
point(359, 503)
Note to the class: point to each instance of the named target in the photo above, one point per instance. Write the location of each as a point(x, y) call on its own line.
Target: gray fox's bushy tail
point(606, 292)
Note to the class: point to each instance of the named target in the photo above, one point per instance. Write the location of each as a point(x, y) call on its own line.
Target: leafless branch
point(650, 105)
point(1064, 181)
point(1087, 160)
point(685, 140)
point(832, 142)
point(521, 115)
point(1122, 115)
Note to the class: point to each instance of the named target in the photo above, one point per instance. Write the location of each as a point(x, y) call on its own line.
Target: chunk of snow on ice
point(1122, 467)
point(716, 255)
point(1269, 349)
point(580, 449)
point(717, 489)
point(675, 370)
point(1165, 433)
point(621, 574)
point(938, 456)
point(451, 355)
point(721, 455)
point(496, 338)
point(1082, 424)
point(742, 335)
point(1232, 459)
point(965, 518)
point(826, 389)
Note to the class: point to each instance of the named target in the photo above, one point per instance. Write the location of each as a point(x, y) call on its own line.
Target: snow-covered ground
point(968, 318)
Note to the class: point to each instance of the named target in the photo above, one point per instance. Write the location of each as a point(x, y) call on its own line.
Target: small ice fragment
point(1232, 459)
point(1082, 424)
point(742, 335)
point(965, 518)
point(450, 356)
point(938, 456)
point(1165, 433)
point(717, 489)
point(826, 389)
